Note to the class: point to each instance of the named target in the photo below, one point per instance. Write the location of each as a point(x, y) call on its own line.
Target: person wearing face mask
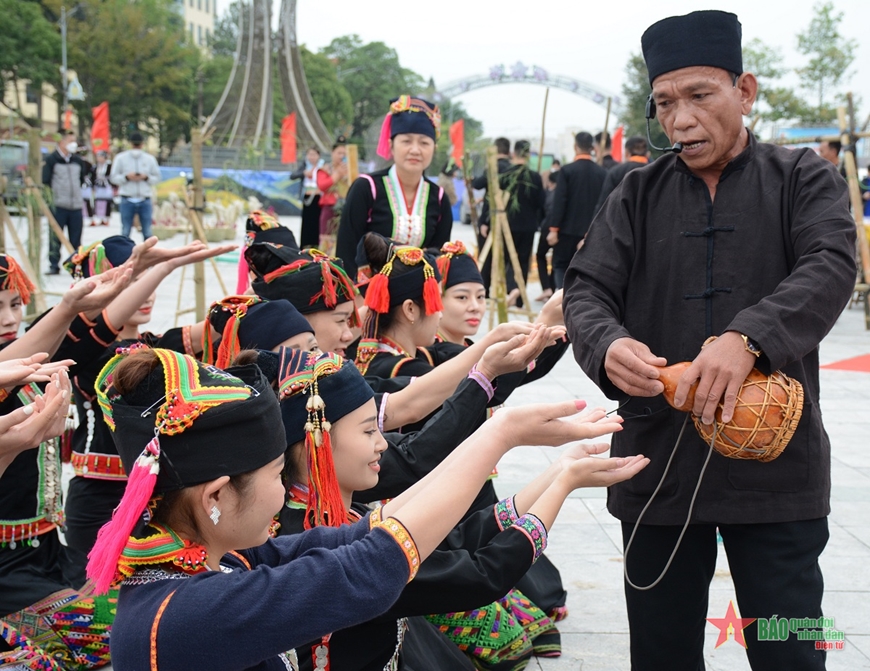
point(135, 172)
point(400, 203)
point(64, 172)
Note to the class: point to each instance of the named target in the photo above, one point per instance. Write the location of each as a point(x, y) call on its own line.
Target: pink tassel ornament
point(113, 537)
point(384, 150)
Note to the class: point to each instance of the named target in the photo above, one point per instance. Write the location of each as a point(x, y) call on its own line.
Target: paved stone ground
point(585, 542)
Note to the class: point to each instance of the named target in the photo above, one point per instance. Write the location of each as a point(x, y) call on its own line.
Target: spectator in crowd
point(64, 172)
point(135, 172)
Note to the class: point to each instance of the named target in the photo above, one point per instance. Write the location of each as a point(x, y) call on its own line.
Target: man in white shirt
point(135, 172)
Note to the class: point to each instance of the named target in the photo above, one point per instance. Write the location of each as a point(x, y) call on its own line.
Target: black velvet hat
point(408, 115)
point(203, 417)
point(457, 266)
point(311, 280)
point(262, 227)
point(409, 273)
point(263, 325)
point(707, 38)
point(100, 256)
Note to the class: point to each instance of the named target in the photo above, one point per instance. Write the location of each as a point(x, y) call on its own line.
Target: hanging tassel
point(329, 294)
point(432, 295)
point(325, 505)
point(113, 537)
point(443, 263)
point(378, 294)
point(243, 281)
point(229, 347)
point(384, 150)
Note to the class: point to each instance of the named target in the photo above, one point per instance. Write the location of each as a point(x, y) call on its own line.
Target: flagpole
point(543, 124)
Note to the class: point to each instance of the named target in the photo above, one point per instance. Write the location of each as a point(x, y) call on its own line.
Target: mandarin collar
point(737, 163)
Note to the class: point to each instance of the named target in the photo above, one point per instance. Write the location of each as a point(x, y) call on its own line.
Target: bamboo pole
point(38, 294)
point(193, 215)
point(603, 144)
point(855, 193)
point(497, 285)
point(543, 125)
point(352, 163)
point(807, 139)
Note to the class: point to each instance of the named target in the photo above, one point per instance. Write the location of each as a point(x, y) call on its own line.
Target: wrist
point(483, 368)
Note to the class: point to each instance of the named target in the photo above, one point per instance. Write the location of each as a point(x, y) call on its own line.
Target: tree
point(332, 99)
point(372, 75)
point(774, 103)
point(29, 46)
point(830, 54)
point(226, 32)
point(635, 92)
point(135, 56)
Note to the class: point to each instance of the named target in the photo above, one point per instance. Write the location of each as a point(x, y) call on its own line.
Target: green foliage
point(29, 45)
point(332, 99)
point(830, 54)
point(635, 92)
point(774, 103)
point(372, 75)
point(226, 32)
point(135, 56)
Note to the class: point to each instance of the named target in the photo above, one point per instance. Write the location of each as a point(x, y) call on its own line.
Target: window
point(207, 35)
point(191, 28)
point(206, 6)
point(191, 3)
point(199, 4)
point(199, 34)
point(214, 7)
point(32, 94)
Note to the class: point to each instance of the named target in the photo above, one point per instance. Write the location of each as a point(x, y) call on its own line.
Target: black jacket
point(614, 177)
point(577, 190)
point(773, 257)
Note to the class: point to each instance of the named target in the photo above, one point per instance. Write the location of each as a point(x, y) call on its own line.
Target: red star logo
point(731, 624)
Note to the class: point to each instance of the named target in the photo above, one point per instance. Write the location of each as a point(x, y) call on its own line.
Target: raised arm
point(424, 510)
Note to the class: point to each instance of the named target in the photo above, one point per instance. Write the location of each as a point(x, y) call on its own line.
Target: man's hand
point(720, 369)
point(633, 368)
point(553, 238)
point(133, 177)
point(484, 230)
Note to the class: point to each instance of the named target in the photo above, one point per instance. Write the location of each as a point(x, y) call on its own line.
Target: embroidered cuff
point(506, 513)
point(382, 411)
point(375, 517)
point(482, 380)
point(535, 531)
point(186, 339)
point(400, 534)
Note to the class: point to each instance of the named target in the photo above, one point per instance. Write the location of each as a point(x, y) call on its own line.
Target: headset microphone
point(677, 147)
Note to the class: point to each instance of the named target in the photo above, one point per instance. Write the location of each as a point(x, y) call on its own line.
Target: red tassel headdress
point(237, 307)
point(325, 506)
point(12, 278)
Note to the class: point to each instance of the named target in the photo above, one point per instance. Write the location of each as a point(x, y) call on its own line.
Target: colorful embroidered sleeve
point(506, 513)
point(375, 517)
point(535, 531)
point(400, 534)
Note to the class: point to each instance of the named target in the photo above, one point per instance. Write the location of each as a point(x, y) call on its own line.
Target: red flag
point(616, 151)
point(457, 139)
point(288, 139)
point(67, 119)
point(100, 129)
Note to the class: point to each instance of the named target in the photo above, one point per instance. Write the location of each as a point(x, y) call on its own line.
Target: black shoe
point(53, 271)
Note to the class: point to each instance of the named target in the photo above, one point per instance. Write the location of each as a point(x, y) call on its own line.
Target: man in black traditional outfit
point(748, 242)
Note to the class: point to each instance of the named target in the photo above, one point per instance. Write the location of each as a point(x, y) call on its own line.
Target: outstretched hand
point(595, 472)
point(551, 314)
point(196, 254)
point(514, 355)
point(554, 423)
point(95, 293)
point(15, 372)
point(28, 426)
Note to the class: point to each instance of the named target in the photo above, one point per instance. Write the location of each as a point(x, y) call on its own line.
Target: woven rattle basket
point(767, 412)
